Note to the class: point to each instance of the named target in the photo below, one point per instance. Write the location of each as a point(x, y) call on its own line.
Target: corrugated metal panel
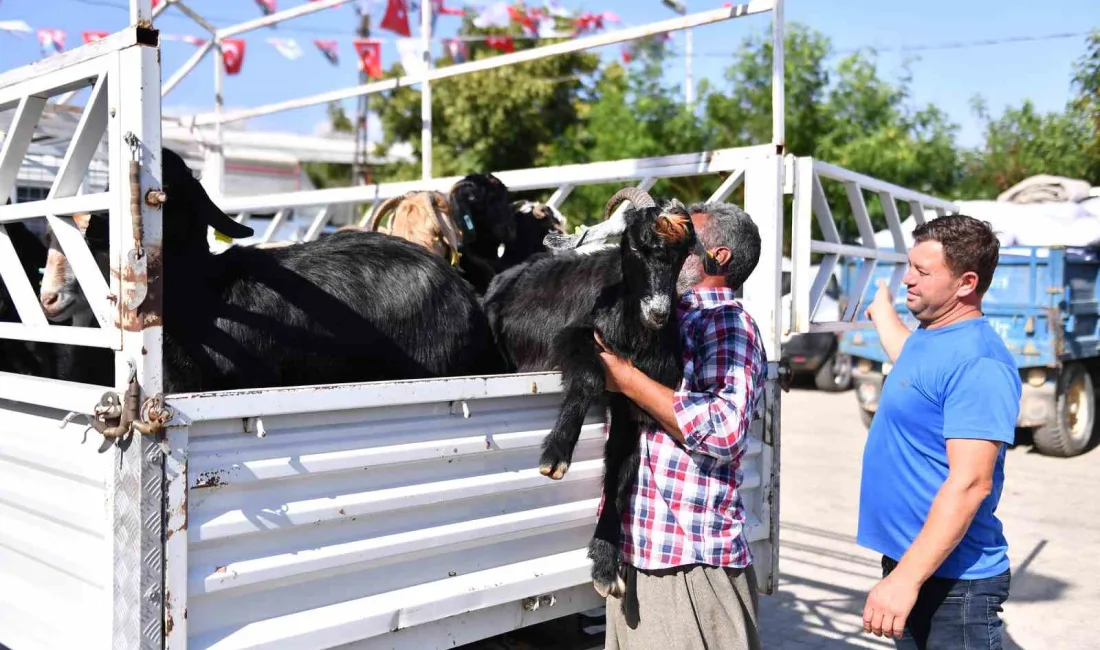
point(394, 511)
point(54, 533)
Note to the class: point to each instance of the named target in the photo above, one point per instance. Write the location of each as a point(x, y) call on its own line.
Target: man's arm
point(714, 418)
point(974, 438)
point(891, 331)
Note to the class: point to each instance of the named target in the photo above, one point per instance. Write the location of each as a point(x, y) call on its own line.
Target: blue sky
point(1004, 74)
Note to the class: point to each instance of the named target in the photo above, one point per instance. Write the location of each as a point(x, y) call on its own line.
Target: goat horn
point(636, 195)
point(387, 206)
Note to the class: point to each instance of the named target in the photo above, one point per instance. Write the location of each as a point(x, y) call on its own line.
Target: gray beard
point(690, 275)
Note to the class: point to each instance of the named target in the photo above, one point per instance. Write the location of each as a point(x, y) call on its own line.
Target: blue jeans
point(955, 614)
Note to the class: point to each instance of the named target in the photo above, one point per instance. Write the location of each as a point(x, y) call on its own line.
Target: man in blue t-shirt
point(933, 465)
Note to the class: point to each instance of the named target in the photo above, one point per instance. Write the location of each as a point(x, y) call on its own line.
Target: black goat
point(533, 222)
point(545, 313)
point(63, 302)
point(480, 208)
point(25, 357)
point(355, 306)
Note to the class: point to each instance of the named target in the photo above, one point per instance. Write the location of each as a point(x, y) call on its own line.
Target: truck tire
point(835, 374)
point(1071, 432)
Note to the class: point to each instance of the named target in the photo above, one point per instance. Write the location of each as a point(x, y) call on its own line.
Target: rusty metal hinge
point(117, 416)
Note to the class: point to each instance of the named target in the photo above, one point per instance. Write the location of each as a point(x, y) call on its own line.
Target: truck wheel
point(1075, 414)
point(835, 374)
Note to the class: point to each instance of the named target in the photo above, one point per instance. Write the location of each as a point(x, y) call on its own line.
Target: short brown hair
point(968, 245)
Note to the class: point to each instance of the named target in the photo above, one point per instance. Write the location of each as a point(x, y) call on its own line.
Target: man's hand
point(616, 369)
point(889, 604)
point(882, 304)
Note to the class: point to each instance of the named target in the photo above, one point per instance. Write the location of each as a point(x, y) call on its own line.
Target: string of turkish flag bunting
point(537, 22)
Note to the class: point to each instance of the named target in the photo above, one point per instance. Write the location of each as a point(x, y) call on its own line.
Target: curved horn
point(636, 195)
point(387, 206)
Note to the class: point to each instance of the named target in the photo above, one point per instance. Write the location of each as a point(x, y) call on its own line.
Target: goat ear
point(213, 215)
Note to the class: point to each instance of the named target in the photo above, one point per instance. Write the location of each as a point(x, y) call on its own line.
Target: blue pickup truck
point(1044, 302)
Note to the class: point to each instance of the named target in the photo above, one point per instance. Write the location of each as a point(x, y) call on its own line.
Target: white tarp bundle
point(1032, 224)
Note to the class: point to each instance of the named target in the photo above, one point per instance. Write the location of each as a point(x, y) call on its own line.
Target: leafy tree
point(1023, 141)
point(493, 120)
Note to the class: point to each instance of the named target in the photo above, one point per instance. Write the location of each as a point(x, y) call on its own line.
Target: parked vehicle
point(1044, 303)
point(817, 353)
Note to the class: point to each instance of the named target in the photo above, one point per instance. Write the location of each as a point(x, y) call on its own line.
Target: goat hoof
point(553, 464)
point(554, 470)
point(606, 577)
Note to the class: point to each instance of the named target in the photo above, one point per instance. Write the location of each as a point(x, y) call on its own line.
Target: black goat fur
point(545, 314)
point(352, 307)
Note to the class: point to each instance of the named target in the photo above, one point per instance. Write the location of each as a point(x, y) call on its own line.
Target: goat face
point(653, 246)
point(189, 210)
point(60, 293)
point(484, 199)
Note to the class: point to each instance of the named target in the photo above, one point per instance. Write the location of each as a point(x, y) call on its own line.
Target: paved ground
point(1050, 507)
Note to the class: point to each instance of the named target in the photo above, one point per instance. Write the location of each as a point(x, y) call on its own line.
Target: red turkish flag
point(94, 36)
point(266, 6)
point(233, 53)
point(397, 18)
point(502, 43)
point(370, 56)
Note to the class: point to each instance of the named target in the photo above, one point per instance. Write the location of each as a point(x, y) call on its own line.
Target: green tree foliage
point(493, 120)
point(1022, 141)
point(841, 109)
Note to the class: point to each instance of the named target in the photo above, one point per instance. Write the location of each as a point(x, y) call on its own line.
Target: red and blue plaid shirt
point(685, 507)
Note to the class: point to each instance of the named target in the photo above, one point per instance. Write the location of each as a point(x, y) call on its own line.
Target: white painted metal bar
point(779, 97)
point(52, 393)
point(18, 140)
point(198, 407)
point(137, 492)
point(565, 47)
point(214, 165)
point(834, 172)
point(851, 250)
point(278, 17)
point(175, 542)
point(187, 67)
point(318, 224)
point(195, 16)
point(893, 221)
point(161, 8)
point(916, 208)
point(70, 175)
point(821, 209)
point(276, 221)
point(426, 92)
point(92, 337)
point(517, 180)
point(560, 195)
point(803, 300)
point(70, 205)
point(23, 295)
point(728, 186)
point(61, 71)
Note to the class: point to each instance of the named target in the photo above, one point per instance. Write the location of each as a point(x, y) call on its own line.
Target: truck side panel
point(55, 533)
point(351, 513)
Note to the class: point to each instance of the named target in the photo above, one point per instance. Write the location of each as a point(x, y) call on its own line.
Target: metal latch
point(117, 416)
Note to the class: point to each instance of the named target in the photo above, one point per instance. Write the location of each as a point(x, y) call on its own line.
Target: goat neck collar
point(701, 298)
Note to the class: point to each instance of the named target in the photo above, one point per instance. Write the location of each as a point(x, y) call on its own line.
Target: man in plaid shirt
point(690, 582)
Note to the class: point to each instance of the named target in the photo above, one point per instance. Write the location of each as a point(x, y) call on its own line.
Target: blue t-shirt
point(957, 381)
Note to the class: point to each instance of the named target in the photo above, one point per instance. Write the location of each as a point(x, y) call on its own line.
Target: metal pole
point(426, 92)
point(217, 185)
point(689, 87)
point(779, 138)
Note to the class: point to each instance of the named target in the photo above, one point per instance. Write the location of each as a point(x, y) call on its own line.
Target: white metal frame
point(217, 118)
point(123, 71)
point(810, 203)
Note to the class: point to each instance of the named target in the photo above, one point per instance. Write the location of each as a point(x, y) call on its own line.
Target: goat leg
point(583, 376)
point(620, 451)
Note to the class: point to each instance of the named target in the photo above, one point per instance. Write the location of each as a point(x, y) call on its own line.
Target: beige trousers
point(694, 607)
